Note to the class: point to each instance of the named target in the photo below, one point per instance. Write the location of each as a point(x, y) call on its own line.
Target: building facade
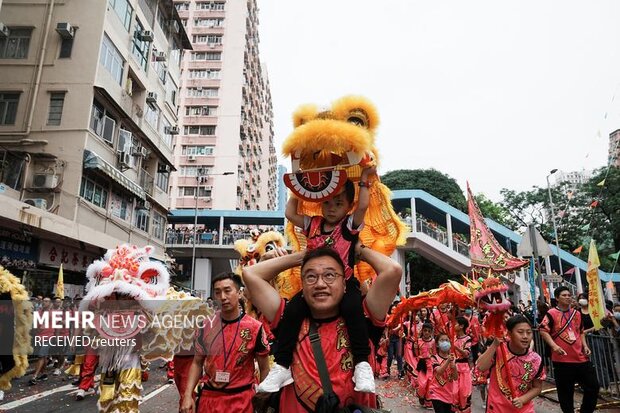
point(282, 191)
point(88, 109)
point(574, 179)
point(226, 117)
point(614, 148)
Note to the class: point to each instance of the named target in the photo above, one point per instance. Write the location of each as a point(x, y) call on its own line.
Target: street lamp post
point(200, 174)
point(555, 228)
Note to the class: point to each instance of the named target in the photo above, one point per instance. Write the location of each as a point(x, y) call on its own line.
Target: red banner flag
point(484, 250)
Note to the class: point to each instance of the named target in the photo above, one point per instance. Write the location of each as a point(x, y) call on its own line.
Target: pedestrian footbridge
point(438, 231)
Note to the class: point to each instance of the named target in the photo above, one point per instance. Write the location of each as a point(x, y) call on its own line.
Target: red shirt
point(302, 395)
point(426, 348)
point(230, 347)
point(523, 369)
point(442, 387)
point(441, 322)
point(474, 328)
point(342, 238)
point(569, 339)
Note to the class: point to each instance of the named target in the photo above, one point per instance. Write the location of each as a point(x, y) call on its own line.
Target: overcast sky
point(494, 92)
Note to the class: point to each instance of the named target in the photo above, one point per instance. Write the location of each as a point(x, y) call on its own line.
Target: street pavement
point(58, 395)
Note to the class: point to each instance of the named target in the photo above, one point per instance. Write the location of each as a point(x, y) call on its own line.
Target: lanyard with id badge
point(222, 376)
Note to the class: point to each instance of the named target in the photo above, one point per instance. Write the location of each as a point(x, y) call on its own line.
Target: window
point(94, 192)
point(164, 130)
point(120, 206)
point(57, 101)
point(197, 150)
point(171, 93)
point(16, 45)
point(111, 59)
point(162, 179)
point(140, 48)
point(123, 10)
point(200, 130)
point(175, 53)
point(162, 20)
point(191, 191)
point(182, 6)
point(205, 74)
point(209, 22)
point(210, 56)
point(152, 116)
point(210, 6)
point(159, 66)
point(66, 46)
point(200, 110)
point(159, 225)
point(212, 39)
point(200, 92)
point(101, 123)
point(8, 108)
point(142, 219)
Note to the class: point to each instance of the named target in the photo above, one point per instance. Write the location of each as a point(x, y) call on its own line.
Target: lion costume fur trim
point(23, 321)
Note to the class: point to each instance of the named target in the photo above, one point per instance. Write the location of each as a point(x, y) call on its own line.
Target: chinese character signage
point(17, 246)
point(71, 258)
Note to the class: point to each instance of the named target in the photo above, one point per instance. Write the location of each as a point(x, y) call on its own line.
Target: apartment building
point(88, 110)
point(226, 117)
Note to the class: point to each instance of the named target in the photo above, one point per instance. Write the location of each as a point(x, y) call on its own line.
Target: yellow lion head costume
point(251, 251)
point(329, 146)
point(16, 313)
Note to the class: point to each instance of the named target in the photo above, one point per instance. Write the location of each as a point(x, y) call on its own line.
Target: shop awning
point(94, 161)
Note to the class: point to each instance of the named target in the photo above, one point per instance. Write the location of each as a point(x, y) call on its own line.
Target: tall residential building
point(282, 191)
point(226, 117)
point(614, 148)
point(88, 106)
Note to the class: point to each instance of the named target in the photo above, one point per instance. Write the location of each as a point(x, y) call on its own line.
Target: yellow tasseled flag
point(60, 285)
point(595, 296)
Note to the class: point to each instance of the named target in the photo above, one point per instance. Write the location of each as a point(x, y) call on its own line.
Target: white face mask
point(583, 302)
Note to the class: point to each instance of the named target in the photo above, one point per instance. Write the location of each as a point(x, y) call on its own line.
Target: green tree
point(432, 181)
point(495, 211)
point(577, 219)
point(425, 274)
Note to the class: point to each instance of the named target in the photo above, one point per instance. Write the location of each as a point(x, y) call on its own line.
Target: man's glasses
point(328, 278)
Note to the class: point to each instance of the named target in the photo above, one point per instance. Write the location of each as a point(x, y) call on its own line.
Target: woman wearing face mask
point(588, 324)
point(445, 374)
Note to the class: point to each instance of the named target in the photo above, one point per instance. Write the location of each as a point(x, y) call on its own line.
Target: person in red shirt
point(338, 227)
point(226, 350)
point(562, 330)
point(445, 375)
point(424, 349)
point(323, 288)
point(523, 367)
point(462, 351)
point(441, 319)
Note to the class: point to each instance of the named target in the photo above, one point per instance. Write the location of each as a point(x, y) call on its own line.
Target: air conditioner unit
point(124, 158)
point(146, 36)
point(207, 199)
point(65, 30)
point(144, 152)
point(160, 56)
point(4, 30)
point(198, 87)
point(208, 187)
point(172, 130)
point(151, 97)
point(163, 169)
point(48, 181)
point(143, 205)
point(191, 158)
point(37, 202)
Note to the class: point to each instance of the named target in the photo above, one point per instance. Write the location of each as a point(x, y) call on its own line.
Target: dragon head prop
point(15, 324)
point(490, 295)
point(328, 147)
point(127, 271)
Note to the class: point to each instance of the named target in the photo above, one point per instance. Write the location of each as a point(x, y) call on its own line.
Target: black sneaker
point(32, 382)
point(75, 382)
point(42, 377)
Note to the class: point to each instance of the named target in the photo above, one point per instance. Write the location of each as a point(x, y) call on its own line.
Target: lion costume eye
point(358, 118)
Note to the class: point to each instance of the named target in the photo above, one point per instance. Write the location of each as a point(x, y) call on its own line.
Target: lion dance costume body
point(15, 324)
